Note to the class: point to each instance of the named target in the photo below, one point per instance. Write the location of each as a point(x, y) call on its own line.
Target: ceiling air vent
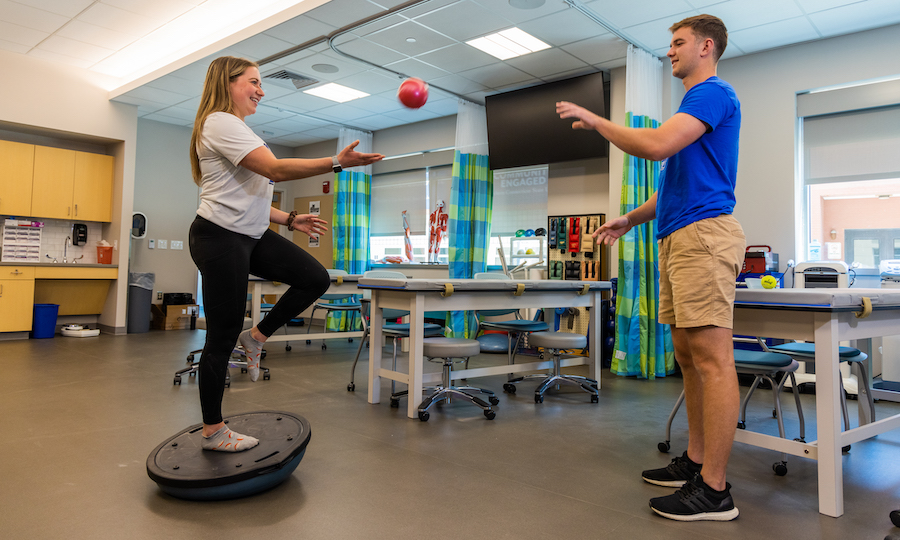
point(289, 79)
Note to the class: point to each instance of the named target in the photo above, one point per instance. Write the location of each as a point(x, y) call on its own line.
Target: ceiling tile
point(563, 27)
point(773, 35)
point(379, 103)
point(178, 114)
point(371, 82)
point(427, 7)
point(371, 52)
point(464, 20)
point(741, 14)
point(496, 76)
point(380, 24)
point(14, 47)
point(458, 84)
point(655, 34)
point(425, 39)
point(159, 10)
point(300, 30)
point(409, 116)
point(546, 62)
point(344, 12)
point(341, 112)
point(177, 86)
point(457, 57)
point(856, 17)
point(627, 14)
point(260, 46)
point(264, 132)
point(442, 107)
point(158, 117)
point(29, 17)
point(156, 95)
point(96, 35)
point(415, 68)
point(76, 49)
point(346, 67)
point(118, 19)
point(598, 49)
point(146, 106)
point(295, 123)
point(27, 37)
point(515, 15)
point(587, 70)
point(67, 8)
point(812, 6)
point(323, 133)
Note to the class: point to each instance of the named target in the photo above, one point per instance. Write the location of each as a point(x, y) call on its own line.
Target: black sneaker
point(696, 501)
point(674, 474)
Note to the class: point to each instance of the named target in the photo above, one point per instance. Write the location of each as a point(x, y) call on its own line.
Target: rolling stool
point(234, 361)
point(553, 343)
point(445, 350)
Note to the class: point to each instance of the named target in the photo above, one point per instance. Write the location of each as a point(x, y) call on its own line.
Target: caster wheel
point(490, 415)
point(845, 449)
point(350, 339)
point(395, 403)
point(190, 359)
point(287, 348)
point(895, 518)
point(227, 384)
point(538, 398)
point(308, 342)
point(191, 374)
point(509, 388)
point(243, 370)
point(266, 376)
point(780, 468)
point(263, 355)
point(774, 413)
point(595, 399)
point(351, 387)
point(177, 381)
point(741, 425)
point(664, 447)
point(424, 416)
point(493, 400)
point(324, 346)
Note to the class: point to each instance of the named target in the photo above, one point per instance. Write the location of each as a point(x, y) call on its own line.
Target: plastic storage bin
point(44, 322)
point(140, 296)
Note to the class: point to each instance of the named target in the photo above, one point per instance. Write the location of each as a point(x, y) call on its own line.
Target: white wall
point(767, 84)
point(69, 105)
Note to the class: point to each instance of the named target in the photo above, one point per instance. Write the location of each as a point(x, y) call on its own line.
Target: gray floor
point(80, 417)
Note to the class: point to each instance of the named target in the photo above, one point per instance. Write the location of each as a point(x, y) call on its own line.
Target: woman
point(230, 237)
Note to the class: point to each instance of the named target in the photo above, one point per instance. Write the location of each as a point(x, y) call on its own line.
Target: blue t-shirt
point(698, 182)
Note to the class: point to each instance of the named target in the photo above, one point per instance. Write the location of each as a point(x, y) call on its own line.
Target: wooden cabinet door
point(16, 298)
point(16, 173)
point(92, 195)
point(54, 177)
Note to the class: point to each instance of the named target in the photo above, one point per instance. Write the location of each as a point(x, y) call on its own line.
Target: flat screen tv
point(524, 129)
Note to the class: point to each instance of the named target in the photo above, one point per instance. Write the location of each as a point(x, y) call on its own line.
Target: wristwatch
point(336, 165)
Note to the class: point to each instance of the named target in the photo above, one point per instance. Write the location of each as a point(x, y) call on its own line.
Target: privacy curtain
point(471, 200)
point(643, 346)
point(350, 220)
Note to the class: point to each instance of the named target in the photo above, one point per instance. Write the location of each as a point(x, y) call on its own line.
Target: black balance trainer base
point(184, 470)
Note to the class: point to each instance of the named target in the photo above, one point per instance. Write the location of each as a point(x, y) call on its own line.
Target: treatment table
point(420, 295)
point(826, 317)
point(339, 285)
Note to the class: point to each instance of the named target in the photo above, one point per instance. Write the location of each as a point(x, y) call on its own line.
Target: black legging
point(225, 259)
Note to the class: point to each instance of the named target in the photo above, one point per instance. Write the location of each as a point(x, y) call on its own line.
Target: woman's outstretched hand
point(310, 224)
point(348, 157)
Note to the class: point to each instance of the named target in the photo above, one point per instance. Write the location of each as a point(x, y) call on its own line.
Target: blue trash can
point(44, 323)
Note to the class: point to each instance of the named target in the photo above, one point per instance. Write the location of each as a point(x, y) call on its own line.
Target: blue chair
point(395, 331)
point(349, 307)
point(763, 365)
point(517, 327)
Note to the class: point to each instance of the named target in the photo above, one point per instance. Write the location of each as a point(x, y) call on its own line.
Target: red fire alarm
point(326, 186)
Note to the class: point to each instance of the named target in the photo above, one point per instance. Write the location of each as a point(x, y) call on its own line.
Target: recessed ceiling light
point(325, 68)
point(336, 92)
point(508, 44)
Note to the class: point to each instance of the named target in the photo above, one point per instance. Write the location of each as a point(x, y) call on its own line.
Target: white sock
point(253, 351)
point(226, 440)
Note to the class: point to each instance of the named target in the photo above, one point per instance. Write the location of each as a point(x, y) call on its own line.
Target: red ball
point(413, 93)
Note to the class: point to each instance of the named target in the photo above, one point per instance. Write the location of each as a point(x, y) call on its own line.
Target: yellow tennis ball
point(769, 282)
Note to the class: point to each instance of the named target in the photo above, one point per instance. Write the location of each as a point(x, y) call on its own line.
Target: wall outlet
point(177, 244)
point(159, 295)
point(151, 244)
point(162, 244)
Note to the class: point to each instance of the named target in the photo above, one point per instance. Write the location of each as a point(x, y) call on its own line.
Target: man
point(700, 250)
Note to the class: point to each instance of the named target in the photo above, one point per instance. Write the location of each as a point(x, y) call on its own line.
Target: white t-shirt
point(231, 196)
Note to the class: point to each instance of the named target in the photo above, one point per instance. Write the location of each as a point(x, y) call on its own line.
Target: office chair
point(517, 327)
point(236, 354)
point(394, 330)
point(762, 365)
point(350, 307)
point(445, 350)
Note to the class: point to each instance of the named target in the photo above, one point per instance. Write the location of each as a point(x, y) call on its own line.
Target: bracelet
point(290, 220)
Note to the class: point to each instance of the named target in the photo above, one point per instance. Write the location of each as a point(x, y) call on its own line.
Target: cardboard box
point(172, 317)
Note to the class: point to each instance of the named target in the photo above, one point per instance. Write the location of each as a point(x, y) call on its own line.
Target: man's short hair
point(706, 26)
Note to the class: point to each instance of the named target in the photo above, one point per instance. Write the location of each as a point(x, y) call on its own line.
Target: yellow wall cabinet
point(72, 185)
point(16, 175)
point(16, 298)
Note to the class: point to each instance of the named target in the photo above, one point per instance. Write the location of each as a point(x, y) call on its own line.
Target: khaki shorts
point(698, 266)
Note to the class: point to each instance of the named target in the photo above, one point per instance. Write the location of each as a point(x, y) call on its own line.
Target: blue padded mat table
point(420, 295)
point(826, 317)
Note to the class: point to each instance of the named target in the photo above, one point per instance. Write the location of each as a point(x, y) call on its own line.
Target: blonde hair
point(216, 97)
point(706, 26)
